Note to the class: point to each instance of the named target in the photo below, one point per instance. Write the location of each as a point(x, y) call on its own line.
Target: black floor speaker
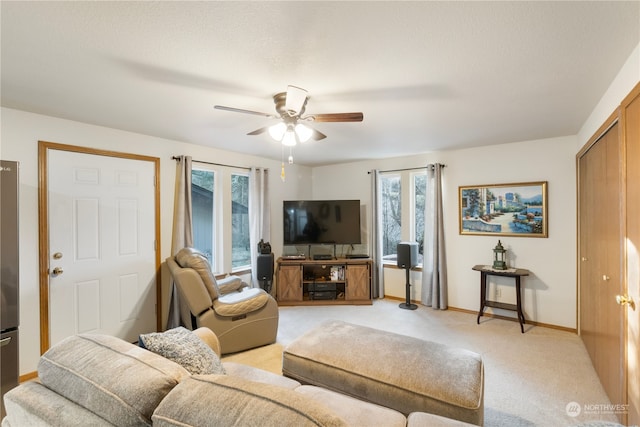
point(265, 271)
point(407, 258)
point(407, 254)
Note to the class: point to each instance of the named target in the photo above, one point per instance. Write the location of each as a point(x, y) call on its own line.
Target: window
point(419, 197)
point(391, 215)
point(202, 206)
point(220, 207)
point(397, 224)
point(240, 247)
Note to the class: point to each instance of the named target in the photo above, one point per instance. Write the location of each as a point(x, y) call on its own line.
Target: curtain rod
point(406, 169)
point(214, 164)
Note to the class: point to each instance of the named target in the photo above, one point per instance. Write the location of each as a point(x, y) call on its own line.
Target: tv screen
point(321, 222)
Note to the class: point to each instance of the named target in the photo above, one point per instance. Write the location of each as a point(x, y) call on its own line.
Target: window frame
point(244, 267)
point(382, 176)
point(407, 199)
point(413, 224)
point(222, 261)
point(215, 249)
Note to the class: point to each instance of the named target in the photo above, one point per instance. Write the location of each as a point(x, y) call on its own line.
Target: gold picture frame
point(518, 209)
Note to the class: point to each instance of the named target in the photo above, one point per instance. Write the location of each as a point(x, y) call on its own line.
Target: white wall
point(20, 134)
point(549, 296)
point(550, 292)
point(627, 78)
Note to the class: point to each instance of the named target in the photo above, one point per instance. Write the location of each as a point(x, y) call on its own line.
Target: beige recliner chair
point(241, 317)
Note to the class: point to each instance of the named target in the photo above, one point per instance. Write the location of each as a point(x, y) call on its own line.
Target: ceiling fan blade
point(317, 135)
point(259, 131)
point(239, 110)
point(295, 100)
point(337, 117)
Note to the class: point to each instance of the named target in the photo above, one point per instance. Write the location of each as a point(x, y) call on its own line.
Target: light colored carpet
point(530, 379)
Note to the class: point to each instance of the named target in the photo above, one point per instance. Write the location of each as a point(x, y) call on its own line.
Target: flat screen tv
point(321, 222)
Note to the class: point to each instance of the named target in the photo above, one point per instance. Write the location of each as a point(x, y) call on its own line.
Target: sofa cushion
point(32, 404)
point(112, 378)
point(239, 402)
point(192, 258)
point(259, 375)
point(185, 348)
point(354, 411)
point(421, 419)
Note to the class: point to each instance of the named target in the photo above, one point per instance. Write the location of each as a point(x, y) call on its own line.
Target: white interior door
point(101, 245)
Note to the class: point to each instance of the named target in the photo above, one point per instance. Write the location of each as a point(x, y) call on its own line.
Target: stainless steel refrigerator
point(9, 277)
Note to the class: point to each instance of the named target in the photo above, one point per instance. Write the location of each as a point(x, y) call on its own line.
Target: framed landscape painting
point(518, 209)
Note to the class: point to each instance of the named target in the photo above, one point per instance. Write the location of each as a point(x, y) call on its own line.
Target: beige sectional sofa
point(98, 380)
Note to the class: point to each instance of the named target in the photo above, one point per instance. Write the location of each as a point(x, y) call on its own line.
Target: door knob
point(57, 271)
point(626, 300)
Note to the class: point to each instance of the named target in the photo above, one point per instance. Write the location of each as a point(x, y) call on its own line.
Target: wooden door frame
point(43, 226)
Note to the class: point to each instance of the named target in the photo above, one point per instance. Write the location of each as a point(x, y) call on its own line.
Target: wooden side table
point(516, 273)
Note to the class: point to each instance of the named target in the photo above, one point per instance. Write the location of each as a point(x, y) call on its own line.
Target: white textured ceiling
point(427, 75)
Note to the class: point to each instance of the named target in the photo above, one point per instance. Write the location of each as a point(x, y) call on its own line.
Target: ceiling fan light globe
point(303, 132)
point(277, 131)
point(289, 139)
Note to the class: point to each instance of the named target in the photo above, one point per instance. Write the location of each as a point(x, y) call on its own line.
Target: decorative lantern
point(499, 262)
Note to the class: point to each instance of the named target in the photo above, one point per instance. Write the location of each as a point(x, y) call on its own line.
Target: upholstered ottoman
point(400, 372)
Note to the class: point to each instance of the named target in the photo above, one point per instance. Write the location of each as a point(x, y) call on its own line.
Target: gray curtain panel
point(378, 270)
point(259, 215)
point(182, 235)
point(434, 268)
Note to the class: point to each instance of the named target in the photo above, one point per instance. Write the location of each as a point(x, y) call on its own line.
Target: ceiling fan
point(292, 127)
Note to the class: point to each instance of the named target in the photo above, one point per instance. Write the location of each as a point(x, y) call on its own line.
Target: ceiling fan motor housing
point(280, 99)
